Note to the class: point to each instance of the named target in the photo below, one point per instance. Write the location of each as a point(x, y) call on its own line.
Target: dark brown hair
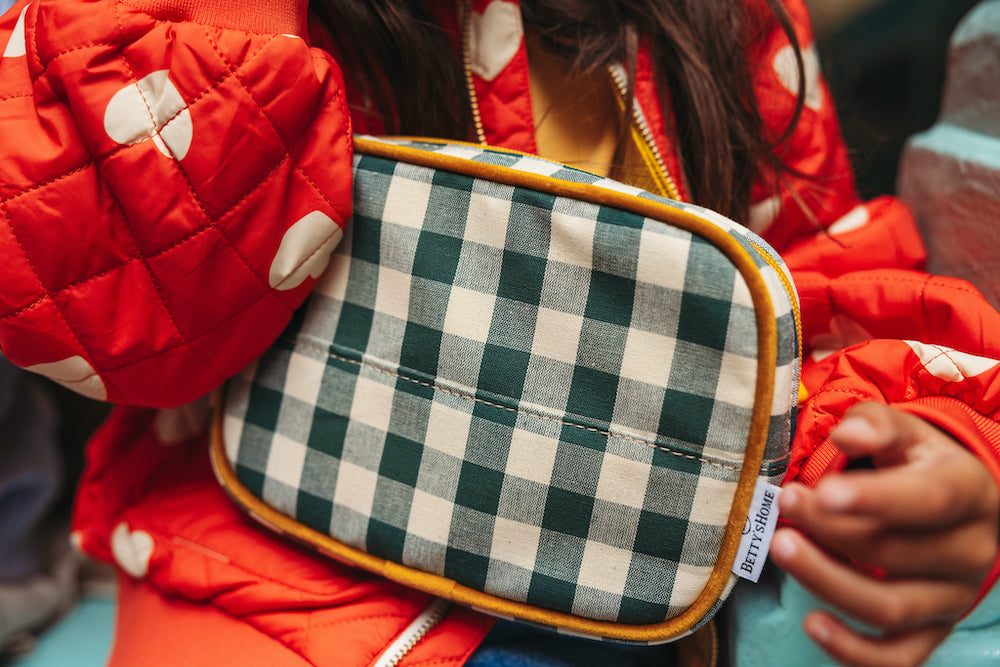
point(699, 50)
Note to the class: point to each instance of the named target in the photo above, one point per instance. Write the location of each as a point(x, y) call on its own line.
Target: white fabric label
point(762, 517)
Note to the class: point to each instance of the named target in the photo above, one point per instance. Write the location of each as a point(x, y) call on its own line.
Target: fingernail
point(819, 630)
point(788, 499)
point(782, 545)
point(837, 496)
point(855, 428)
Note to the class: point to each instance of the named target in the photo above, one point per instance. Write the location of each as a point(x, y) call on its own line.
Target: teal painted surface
point(983, 21)
point(961, 144)
point(82, 639)
point(767, 630)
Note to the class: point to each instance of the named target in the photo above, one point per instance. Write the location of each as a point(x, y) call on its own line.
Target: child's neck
point(577, 116)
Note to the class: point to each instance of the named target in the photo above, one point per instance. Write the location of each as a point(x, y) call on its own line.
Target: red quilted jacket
point(173, 177)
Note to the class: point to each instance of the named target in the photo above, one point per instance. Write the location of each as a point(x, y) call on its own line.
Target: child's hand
point(927, 515)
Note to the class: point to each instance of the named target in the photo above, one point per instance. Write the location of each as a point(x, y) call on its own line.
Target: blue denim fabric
point(516, 645)
point(30, 471)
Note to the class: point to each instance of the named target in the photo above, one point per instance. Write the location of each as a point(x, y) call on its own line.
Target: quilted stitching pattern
point(146, 195)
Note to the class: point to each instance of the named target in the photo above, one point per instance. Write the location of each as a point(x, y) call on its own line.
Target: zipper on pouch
point(433, 614)
point(775, 261)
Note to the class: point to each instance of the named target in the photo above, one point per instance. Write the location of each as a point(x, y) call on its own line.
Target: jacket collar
point(498, 60)
point(497, 57)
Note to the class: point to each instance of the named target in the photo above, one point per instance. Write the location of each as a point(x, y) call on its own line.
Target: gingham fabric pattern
point(537, 397)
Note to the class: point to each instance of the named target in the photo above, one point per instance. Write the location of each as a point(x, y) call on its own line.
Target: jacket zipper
point(652, 152)
point(470, 85)
point(433, 614)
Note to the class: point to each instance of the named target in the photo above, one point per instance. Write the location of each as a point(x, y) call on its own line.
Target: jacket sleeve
point(875, 326)
point(172, 182)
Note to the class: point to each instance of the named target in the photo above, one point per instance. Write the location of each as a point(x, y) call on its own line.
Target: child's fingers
point(962, 553)
point(876, 430)
point(934, 482)
point(946, 488)
point(925, 478)
point(881, 432)
point(961, 548)
point(850, 647)
point(927, 515)
point(892, 605)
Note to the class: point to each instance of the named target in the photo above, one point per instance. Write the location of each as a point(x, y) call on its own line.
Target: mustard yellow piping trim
point(789, 290)
point(436, 585)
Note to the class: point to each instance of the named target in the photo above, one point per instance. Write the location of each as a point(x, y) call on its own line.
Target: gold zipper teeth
point(435, 612)
point(789, 290)
point(477, 118)
point(673, 192)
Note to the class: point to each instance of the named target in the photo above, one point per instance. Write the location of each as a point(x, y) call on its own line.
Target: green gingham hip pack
point(538, 392)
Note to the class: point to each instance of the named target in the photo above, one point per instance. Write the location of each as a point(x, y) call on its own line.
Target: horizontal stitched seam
point(51, 181)
point(167, 535)
point(823, 281)
point(346, 621)
point(176, 539)
point(165, 350)
point(776, 464)
point(190, 342)
point(519, 411)
point(81, 47)
point(438, 661)
point(159, 20)
point(51, 58)
point(846, 392)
